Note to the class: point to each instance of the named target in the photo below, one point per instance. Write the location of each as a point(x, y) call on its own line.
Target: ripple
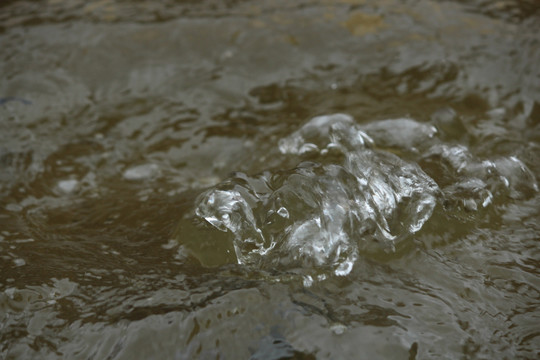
point(141, 172)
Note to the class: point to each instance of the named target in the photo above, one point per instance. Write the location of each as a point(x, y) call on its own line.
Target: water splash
point(472, 184)
point(322, 214)
point(324, 134)
point(401, 133)
point(353, 197)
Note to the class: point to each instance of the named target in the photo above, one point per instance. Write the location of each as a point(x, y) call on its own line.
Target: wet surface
point(407, 227)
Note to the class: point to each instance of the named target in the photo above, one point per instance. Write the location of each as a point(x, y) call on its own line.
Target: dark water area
point(331, 179)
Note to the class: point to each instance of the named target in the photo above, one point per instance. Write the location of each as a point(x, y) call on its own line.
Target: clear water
point(269, 179)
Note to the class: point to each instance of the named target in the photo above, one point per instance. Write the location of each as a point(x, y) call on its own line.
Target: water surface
point(168, 189)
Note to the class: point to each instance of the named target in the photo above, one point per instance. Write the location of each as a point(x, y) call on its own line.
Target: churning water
point(311, 179)
point(326, 214)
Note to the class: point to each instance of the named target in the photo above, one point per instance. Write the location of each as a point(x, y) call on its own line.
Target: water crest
point(472, 184)
point(354, 199)
point(354, 196)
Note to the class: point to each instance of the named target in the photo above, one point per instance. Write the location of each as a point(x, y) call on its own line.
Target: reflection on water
point(132, 132)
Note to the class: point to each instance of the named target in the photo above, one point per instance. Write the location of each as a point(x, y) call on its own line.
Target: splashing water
point(352, 197)
point(322, 214)
point(113, 128)
point(472, 184)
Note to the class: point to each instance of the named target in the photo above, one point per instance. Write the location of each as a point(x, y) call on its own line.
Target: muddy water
point(269, 179)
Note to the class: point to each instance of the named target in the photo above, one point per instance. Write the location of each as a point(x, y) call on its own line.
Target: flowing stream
point(264, 180)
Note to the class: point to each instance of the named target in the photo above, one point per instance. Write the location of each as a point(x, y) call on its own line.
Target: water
point(269, 180)
point(323, 214)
